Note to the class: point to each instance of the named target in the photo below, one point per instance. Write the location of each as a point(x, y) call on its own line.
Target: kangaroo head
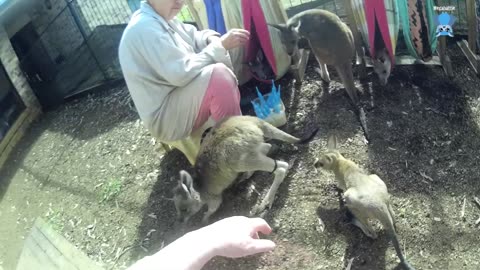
point(382, 66)
point(187, 200)
point(328, 160)
point(289, 36)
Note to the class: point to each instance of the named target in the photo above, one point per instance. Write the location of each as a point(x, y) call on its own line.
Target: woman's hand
point(237, 236)
point(235, 38)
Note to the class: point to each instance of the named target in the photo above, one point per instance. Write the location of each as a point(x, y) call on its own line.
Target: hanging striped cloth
point(393, 22)
point(418, 23)
point(376, 15)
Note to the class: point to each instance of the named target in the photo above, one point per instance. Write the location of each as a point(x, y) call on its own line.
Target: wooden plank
point(405, 60)
point(444, 59)
point(46, 249)
point(473, 58)
point(16, 132)
point(305, 6)
point(362, 71)
point(13, 129)
point(472, 25)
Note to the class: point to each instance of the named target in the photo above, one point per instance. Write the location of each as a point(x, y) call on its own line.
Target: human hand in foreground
point(237, 236)
point(235, 38)
point(231, 237)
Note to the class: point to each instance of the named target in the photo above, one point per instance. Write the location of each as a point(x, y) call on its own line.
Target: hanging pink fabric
point(375, 12)
point(254, 22)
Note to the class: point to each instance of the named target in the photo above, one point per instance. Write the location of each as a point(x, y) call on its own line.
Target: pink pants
point(221, 99)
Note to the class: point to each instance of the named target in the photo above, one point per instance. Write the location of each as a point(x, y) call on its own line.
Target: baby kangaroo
point(330, 39)
point(365, 195)
point(234, 145)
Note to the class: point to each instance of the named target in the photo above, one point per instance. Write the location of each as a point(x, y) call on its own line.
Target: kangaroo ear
point(186, 180)
point(296, 28)
point(332, 142)
point(282, 27)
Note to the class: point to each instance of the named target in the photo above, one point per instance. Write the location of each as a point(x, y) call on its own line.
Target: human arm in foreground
point(231, 237)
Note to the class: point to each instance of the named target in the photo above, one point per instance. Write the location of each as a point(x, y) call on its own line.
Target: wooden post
point(472, 25)
point(444, 59)
point(362, 72)
point(469, 48)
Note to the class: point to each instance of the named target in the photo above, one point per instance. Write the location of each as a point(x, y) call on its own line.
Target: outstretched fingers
point(260, 225)
point(261, 245)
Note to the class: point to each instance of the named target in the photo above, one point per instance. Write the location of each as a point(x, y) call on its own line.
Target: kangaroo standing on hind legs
point(235, 145)
point(332, 43)
point(365, 195)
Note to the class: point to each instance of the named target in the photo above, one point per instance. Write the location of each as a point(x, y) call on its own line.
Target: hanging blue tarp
point(134, 4)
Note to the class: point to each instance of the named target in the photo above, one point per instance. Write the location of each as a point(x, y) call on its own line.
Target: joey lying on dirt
point(365, 195)
point(234, 145)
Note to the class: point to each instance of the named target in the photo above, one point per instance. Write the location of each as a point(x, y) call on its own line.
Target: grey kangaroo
point(330, 39)
point(233, 146)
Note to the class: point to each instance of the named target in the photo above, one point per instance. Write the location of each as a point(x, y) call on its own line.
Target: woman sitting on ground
point(178, 76)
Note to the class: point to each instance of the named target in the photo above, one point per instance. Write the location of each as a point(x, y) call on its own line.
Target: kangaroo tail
point(387, 220)
point(272, 132)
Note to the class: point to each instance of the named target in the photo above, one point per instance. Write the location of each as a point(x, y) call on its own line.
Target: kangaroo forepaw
point(324, 75)
point(256, 210)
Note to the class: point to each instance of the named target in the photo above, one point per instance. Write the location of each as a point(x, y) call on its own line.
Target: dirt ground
point(93, 172)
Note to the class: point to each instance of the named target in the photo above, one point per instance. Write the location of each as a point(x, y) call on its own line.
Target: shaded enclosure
point(72, 48)
point(95, 174)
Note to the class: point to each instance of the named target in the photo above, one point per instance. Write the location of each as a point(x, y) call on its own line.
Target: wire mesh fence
point(94, 13)
point(75, 48)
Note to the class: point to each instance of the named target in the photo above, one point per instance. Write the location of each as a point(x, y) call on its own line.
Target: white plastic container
point(276, 119)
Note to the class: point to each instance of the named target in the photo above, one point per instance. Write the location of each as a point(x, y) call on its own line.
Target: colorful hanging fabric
point(418, 22)
point(215, 16)
point(393, 19)
point(254, 22)
point(376, 14)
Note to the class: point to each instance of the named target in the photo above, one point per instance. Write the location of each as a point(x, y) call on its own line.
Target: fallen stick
point(477, 201)
point(424, 175)
point(462, 214)
point(350, 262)
point(435, 111)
